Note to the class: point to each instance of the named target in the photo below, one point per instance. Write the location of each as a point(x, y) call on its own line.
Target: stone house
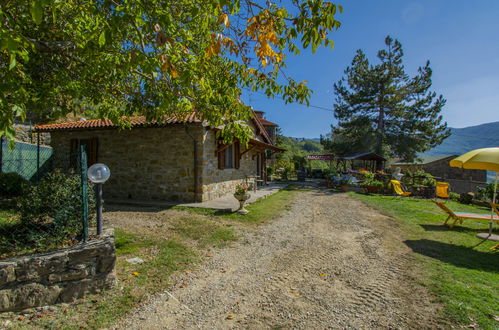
point(176, 160)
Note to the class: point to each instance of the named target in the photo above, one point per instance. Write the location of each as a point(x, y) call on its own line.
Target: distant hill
point(300, 146)
point(468, 138)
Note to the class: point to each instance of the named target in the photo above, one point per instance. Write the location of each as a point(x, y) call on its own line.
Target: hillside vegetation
point(297, 150)
point(468, 138)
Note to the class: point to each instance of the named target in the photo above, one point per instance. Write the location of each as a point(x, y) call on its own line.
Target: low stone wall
point(58, 276)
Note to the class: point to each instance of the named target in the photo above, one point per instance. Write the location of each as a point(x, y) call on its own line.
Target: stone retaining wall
point(24, 133)
point(58, 276)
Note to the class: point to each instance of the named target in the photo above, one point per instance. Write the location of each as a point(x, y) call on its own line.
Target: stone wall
point(442, 169)
point(215, 182)
point(24, 133)
point(146, 163)
point(59, 276)
point(465, 186)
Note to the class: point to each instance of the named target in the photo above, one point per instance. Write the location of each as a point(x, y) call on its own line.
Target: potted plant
point(370, 184)
point(242, 196)
point(345, 184)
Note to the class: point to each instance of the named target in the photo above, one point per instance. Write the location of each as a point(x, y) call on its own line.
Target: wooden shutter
point(92, 150)
point(237, 154)
point(221, 160)
point(73, 153)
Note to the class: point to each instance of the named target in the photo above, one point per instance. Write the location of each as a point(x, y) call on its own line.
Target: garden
point(461, 270)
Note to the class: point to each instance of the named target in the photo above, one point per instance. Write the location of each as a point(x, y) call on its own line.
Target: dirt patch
point(330, 261)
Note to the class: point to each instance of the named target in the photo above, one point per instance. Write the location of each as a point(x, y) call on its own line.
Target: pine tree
point(380, 108)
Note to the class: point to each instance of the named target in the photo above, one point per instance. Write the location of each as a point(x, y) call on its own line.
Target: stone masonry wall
point(59, 276)
point(145, 163)
point(24, 133)
point(215, 182)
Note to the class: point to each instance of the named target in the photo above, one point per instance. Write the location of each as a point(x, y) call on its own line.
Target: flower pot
point(242, 198)
point(371, 189)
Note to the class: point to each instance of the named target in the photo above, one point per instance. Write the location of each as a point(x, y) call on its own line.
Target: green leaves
point(36, 11)
point(380, 108)
point(102, 38)
point(113, 59)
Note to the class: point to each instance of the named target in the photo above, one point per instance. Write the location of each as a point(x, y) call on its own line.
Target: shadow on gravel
point(457, 255)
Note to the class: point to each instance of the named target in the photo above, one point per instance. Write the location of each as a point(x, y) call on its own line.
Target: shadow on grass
point(454, 229)
point(457, 255)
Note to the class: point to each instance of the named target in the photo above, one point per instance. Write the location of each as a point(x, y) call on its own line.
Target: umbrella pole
point(493, 201)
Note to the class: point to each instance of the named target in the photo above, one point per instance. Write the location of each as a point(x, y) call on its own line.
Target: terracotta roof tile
point(266, 122)
point(138, 121)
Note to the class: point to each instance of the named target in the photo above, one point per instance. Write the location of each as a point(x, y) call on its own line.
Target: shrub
point(12, 184)
point(369, 180)
point(54, 206)
point(454, 196)
point(485, 194)
point(489, 191)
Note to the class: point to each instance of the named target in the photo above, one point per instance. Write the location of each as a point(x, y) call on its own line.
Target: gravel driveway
point(327, 262)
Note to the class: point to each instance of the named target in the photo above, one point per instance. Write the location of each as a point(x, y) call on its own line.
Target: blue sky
point(460, 38)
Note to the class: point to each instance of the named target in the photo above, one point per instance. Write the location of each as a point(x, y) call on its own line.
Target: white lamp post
point(98, 174)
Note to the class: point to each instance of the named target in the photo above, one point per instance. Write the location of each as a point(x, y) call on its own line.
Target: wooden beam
point(221, 148)
point(245, 151)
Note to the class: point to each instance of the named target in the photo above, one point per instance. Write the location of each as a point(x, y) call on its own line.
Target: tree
point(116, 58)
point(380, 108)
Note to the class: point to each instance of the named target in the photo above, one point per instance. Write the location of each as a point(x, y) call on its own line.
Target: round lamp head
point(98, 173)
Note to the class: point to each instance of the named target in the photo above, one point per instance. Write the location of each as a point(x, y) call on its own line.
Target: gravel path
point(327, 262)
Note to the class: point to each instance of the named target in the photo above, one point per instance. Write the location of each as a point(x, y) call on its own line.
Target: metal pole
point(37, 156)
point(1, 153)
point(83, 170)
point(98, 195)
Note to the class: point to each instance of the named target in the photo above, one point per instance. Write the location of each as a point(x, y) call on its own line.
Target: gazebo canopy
point(364, 156)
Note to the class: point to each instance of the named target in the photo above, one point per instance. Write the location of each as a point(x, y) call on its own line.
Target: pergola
point(372, 161)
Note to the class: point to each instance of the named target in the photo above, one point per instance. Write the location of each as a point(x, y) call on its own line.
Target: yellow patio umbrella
point(480, 159)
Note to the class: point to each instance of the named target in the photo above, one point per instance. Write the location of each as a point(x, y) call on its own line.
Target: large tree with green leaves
point(115, 58)
point(382, 109)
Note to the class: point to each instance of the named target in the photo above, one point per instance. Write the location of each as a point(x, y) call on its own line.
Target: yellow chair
point(442, 190)
point(495, 207)
point(397, 188)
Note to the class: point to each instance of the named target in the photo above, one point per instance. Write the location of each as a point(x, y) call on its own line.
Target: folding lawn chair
point(461, 216)
point(397, 188)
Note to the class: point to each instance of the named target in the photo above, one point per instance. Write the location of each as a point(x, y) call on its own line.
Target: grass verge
point(261, 211)
point(463, 275)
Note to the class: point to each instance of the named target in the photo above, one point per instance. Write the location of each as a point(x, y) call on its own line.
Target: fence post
point(84, 199)
point(1, 153)
point(37, 156)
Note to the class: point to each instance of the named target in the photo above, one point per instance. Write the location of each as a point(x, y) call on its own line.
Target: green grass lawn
point(464, 276)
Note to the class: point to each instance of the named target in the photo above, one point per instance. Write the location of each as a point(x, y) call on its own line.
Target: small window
point(230, 156)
